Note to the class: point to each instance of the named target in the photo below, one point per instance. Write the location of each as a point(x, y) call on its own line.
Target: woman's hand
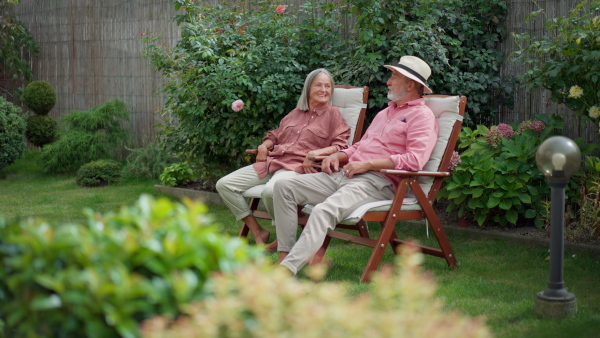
point(310, 166)
point(262, 154)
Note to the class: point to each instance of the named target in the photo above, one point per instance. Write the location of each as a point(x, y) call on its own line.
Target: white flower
point(594, 112)
point(575, 92)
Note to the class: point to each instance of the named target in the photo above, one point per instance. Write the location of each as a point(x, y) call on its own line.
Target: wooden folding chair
point(352, 103)
point(415, 196)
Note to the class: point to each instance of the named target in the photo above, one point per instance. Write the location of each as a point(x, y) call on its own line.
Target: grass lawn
point(496, 278)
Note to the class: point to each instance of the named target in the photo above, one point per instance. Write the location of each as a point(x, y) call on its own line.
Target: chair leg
point(363, 229)
point(244, 230)
point(387, 232)
point(318, 257)
point(440, 235)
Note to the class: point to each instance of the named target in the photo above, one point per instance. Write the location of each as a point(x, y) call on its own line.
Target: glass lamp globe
point(558, 157)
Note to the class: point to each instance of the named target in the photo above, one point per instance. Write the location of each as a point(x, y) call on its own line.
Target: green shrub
point(12, 128)
point(94, 134)
point(255, 303)
point(147, 162)
point(177, 174)
point(227, 53)
point(40, 97)
point(99, 173)
point(17, 48)
point(101, 278)
point(497, 177)
point(457, 38)
point(41, 130)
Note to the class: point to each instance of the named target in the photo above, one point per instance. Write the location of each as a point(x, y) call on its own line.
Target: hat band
point(413, 73)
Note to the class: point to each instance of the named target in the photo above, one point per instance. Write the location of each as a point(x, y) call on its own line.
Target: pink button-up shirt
point(301, 131)
point(406, 134)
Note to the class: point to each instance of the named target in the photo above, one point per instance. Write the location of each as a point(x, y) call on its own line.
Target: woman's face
point(320, 91)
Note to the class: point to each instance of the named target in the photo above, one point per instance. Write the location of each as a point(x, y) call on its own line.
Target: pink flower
point(280, 9)
point(237, 105)
point(505, 130)
point(493, 137)
point(537, 126)
point(454, 161)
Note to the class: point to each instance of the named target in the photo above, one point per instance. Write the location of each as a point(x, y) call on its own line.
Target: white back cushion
point(350, 102)
point(446, 112)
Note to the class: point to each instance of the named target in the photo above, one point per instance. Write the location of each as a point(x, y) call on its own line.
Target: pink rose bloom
point(505, 130)
point(237, 105)
point(280, 9)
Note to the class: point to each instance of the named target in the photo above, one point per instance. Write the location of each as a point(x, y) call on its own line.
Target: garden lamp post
point(558, 158)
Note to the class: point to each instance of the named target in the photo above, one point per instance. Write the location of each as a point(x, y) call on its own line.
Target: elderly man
point(402, 136)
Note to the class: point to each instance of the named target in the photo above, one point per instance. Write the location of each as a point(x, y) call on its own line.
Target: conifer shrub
point(94, 134)
point(40, 97)
point(103, 277)
point(41, 130)
point(147, 162)
point(12, 128)
point(99, 173)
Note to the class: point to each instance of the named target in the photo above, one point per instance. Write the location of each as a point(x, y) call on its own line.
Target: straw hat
point(413, 68)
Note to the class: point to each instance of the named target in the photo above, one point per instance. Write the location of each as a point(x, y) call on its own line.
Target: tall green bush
point(457, 38)
point(12, 129)
point(94, 134)
point(101, 278)
point(230, 52)
point(15, 42)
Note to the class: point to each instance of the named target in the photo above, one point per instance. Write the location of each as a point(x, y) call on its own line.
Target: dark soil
point(201, 184)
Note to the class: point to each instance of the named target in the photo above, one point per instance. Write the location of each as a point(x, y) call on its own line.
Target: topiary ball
point(12, 128)
point(40, 97)
point(41, 130)
point(99, 173)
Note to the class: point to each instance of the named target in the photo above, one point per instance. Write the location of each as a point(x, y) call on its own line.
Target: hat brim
point(426, 90)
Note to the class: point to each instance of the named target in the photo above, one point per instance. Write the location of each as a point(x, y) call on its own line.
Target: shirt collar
point(320, 110)
point(417, 102)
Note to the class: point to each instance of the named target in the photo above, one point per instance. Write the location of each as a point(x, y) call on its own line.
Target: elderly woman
point(314, 128)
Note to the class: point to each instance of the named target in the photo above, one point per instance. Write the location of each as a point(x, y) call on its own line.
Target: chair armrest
point(414, 173)
point(317, 158)
point(252, 151)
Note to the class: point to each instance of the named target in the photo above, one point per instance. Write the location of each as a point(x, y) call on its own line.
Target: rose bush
point(259, 56)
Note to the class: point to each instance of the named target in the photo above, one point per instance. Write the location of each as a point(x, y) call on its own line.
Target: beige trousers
point(232, 186)
point(334, 196)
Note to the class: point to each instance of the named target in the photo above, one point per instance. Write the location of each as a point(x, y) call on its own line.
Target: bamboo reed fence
point(91, 52)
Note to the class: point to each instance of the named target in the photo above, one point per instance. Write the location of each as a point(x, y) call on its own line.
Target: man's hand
point(353, 168)
point(262, 154)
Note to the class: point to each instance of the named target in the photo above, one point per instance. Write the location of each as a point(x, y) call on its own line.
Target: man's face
point(397, 86)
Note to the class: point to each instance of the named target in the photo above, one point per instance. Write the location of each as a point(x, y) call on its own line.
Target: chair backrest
point(352, 102)
point(449, 111)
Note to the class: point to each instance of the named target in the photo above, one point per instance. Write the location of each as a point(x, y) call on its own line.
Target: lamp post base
point(555, 307)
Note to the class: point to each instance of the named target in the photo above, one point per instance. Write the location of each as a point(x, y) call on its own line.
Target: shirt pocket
point(394, 133)
point(289, 131)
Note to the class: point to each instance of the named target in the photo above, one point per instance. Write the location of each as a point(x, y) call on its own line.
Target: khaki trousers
point(232, 186)
point(334, 196)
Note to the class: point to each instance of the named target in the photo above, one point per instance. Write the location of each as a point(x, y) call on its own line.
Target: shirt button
point(298, 131)
point(305, 124)
point(282, 151)
point(312, 117)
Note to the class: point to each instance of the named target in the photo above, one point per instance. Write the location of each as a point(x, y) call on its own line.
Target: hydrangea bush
point(565, 61)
